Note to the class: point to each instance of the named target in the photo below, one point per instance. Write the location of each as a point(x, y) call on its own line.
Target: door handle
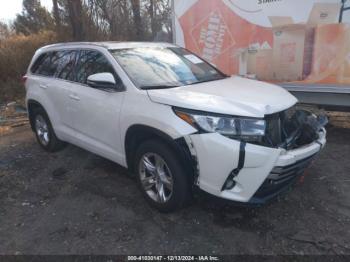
point(43, 86)
point(74, 97)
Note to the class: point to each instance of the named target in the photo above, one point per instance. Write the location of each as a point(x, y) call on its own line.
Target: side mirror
point(102, 81)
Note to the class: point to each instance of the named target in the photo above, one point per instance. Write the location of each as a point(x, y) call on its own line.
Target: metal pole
point(173, 20)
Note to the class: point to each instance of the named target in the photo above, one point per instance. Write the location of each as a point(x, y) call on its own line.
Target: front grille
point(280, 174)
point(281, 177)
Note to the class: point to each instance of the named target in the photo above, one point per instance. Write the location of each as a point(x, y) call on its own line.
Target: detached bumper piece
point(280, 179)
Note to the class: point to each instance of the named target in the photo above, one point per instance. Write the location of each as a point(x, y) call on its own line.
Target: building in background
point(296, 41)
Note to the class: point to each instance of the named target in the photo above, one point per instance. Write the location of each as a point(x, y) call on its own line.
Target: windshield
point(158, 67)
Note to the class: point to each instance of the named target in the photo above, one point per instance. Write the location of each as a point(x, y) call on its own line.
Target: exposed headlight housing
point(241, 128)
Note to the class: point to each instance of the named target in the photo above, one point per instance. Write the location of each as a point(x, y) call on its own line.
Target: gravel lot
point(74, 202)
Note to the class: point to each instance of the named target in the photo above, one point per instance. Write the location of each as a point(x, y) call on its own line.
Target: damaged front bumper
point(264, 173)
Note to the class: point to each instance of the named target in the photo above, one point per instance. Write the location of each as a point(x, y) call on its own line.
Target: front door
point(95, 112)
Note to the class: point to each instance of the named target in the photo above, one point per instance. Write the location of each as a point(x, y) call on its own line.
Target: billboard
point(272, 40)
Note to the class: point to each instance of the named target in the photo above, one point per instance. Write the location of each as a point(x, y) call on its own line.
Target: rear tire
point(161, 176)
point(44, 132)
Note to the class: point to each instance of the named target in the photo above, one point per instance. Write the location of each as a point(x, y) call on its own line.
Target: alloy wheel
point(156, 178)
point(42, 130)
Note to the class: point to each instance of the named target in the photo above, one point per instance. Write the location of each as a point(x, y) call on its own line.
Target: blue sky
point(10, 8)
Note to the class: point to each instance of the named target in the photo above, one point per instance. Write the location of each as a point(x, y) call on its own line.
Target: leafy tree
point(34, 18)
point(4, 30)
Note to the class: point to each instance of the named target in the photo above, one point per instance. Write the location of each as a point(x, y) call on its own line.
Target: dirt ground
point(74, 202)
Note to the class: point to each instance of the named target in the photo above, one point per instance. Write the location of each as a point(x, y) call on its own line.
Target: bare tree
point(137, 18)
point(75, 11)
point(56, 14)
point(4, 30)
point(119, 20)
point(152, 14)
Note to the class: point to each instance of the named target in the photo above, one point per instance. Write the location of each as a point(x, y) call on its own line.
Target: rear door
point(60, 87)
point(95, 112)
point(54, 72)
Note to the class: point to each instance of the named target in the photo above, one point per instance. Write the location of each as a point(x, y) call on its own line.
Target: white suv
point(173, 119)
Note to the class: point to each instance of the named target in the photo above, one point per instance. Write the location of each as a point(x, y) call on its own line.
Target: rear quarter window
point(45, 64)
point(38, 62)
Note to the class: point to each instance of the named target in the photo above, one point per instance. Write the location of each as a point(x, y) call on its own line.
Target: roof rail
point(101, 44)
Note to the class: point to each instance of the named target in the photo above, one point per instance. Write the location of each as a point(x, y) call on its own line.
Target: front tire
point(44, 132)
point(161, 176)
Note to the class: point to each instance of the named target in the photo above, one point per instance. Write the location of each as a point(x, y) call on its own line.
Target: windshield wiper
point(209, 80)
point(157, 87)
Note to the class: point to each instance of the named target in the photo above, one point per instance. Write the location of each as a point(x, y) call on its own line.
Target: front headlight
point(247, 129)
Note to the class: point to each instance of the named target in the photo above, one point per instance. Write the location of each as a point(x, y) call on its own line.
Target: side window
point(92, 62)
point(38, 62)
point(45, 64)
point(65, 65)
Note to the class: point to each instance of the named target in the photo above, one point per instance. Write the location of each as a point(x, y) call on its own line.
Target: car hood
point(234, 96)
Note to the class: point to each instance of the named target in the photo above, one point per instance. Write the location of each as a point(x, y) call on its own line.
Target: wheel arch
point(137, 134)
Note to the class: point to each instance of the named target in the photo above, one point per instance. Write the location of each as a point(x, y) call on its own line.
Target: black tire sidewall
point(181, 187)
